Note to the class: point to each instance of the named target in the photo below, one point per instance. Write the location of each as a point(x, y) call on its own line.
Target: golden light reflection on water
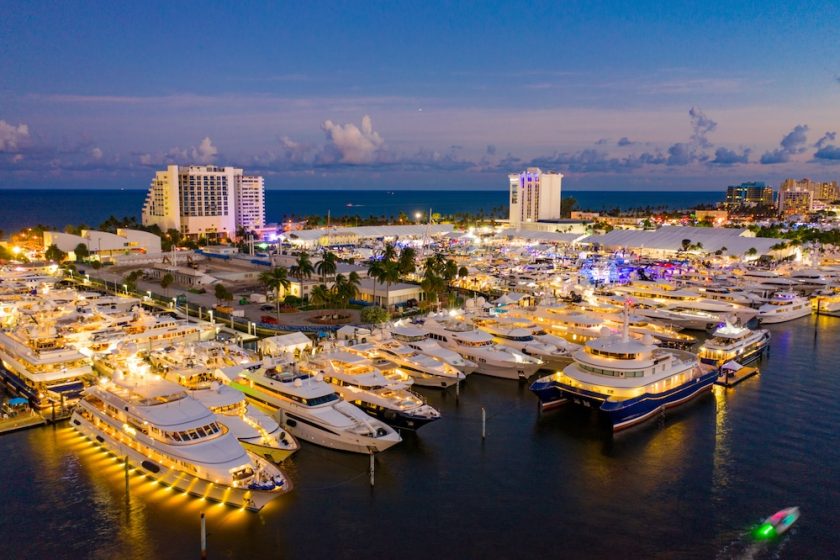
point(138, 496)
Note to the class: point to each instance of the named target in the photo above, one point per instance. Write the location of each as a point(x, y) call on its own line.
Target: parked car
point(268, 319)
point(266, 307)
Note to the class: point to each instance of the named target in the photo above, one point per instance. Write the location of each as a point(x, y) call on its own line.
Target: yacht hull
point(252, 500)
point(308, 430)
point(399, 420)
point(508, 371)
point(432, 381)
point(769, 319)
point(627, 413)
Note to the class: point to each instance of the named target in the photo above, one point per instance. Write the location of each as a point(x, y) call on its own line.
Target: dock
point(21, 422)
point(730, 378)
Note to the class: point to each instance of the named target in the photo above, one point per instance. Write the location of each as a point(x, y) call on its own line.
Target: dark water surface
point(21, 208)
point(539, 486)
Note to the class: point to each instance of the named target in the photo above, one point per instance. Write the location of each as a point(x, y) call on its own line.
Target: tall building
point(250, 203)
point(755, 193)
point(205, 200)
point(534, 196)
point(792, 199)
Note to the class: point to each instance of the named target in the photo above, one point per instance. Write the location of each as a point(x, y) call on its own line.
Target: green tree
point(407, 262)
point(303, 267)
point(463, 272)
point(327, 266)
point(320, 295)
point(54, 254)
point(81, 251)
point(276, 279)
point(374, 270)
point(166, 281)
point(130, 280)
point(222, 293)
point(374, 315)
point(389, 275)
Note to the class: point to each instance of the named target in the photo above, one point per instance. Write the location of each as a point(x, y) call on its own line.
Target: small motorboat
point(778, 523)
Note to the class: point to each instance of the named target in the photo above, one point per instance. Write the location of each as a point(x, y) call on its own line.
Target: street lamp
point(149, 292)
point(125, 287)
point(210, 313)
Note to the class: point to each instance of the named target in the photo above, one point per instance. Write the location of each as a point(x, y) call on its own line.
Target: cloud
point(701, 125)
point(204, 153)
point(348, 143)
point(13, 138)
point(831, 153)
point(491, 150)
point(624, 141)
point(791, 144)
point(601, 141)
point(827, 137)
point(725, 156)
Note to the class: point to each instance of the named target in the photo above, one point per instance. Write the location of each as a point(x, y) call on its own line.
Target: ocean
point(550, 485)
point(21, 208)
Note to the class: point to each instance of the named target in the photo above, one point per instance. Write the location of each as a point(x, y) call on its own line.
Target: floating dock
point(21, 422)
point(730, 378)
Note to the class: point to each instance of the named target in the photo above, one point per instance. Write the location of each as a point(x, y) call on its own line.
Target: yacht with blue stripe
point(627, 380)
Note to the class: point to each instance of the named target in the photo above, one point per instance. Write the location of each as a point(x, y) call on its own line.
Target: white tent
point(284, 344)
point(731, 365)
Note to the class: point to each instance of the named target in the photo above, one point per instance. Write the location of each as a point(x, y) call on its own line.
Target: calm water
point(56, 208)
point(539, 485)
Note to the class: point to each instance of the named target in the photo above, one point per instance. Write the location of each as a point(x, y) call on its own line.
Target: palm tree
point(303, 267)
point(320, 295)
point(390, 274)
point(374, 271)
point(432, 283)
point(276, 279)
point(407, 263)
point(389, 253)
point(327, 265)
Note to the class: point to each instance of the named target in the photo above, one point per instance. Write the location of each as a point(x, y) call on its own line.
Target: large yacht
point(37, 365)
point(730, 342)
point(628, 381)
point(359, 382)
point(169, 436)
point(311, 409)
point(784, 306)
point(419, 340)
point(478, 346)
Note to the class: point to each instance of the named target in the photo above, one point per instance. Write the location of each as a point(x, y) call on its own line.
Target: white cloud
point(12, 137)
point(205, 152)
point(348, 143)
point(96, 153)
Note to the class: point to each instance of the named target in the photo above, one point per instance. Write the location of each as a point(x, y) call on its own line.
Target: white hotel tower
point(534, 196)
point(205, 200)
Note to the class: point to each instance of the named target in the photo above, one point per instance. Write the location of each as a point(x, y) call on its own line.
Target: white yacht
point(730, 342)
point(38, 365)
point(784, 306)
point(529, 339)
point(359, 382)
point(426, 370)
point(419, 340)
point(311, 409)
point(169, 436)
point(478, 346)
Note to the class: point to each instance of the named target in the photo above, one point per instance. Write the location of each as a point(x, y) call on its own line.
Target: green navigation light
point(766, 531)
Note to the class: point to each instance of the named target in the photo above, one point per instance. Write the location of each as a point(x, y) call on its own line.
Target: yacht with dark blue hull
point(628, 381)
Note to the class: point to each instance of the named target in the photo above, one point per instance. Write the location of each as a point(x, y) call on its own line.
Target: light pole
point(125, 287)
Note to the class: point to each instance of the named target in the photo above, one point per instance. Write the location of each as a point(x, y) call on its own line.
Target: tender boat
point(778, 523)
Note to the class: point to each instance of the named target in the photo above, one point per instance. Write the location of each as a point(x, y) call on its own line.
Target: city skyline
point(421, 96)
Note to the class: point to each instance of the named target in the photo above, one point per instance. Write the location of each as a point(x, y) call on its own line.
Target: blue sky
point(642, 95)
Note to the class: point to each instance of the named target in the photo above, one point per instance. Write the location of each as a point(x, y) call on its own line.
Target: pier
point(21, 422)
point(730, 378)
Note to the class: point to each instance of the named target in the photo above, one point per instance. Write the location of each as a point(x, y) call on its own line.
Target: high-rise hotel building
point(534, 196)
point(205, 200)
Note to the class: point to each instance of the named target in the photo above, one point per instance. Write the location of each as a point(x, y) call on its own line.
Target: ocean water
point(548, 485)
point(56, 208)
